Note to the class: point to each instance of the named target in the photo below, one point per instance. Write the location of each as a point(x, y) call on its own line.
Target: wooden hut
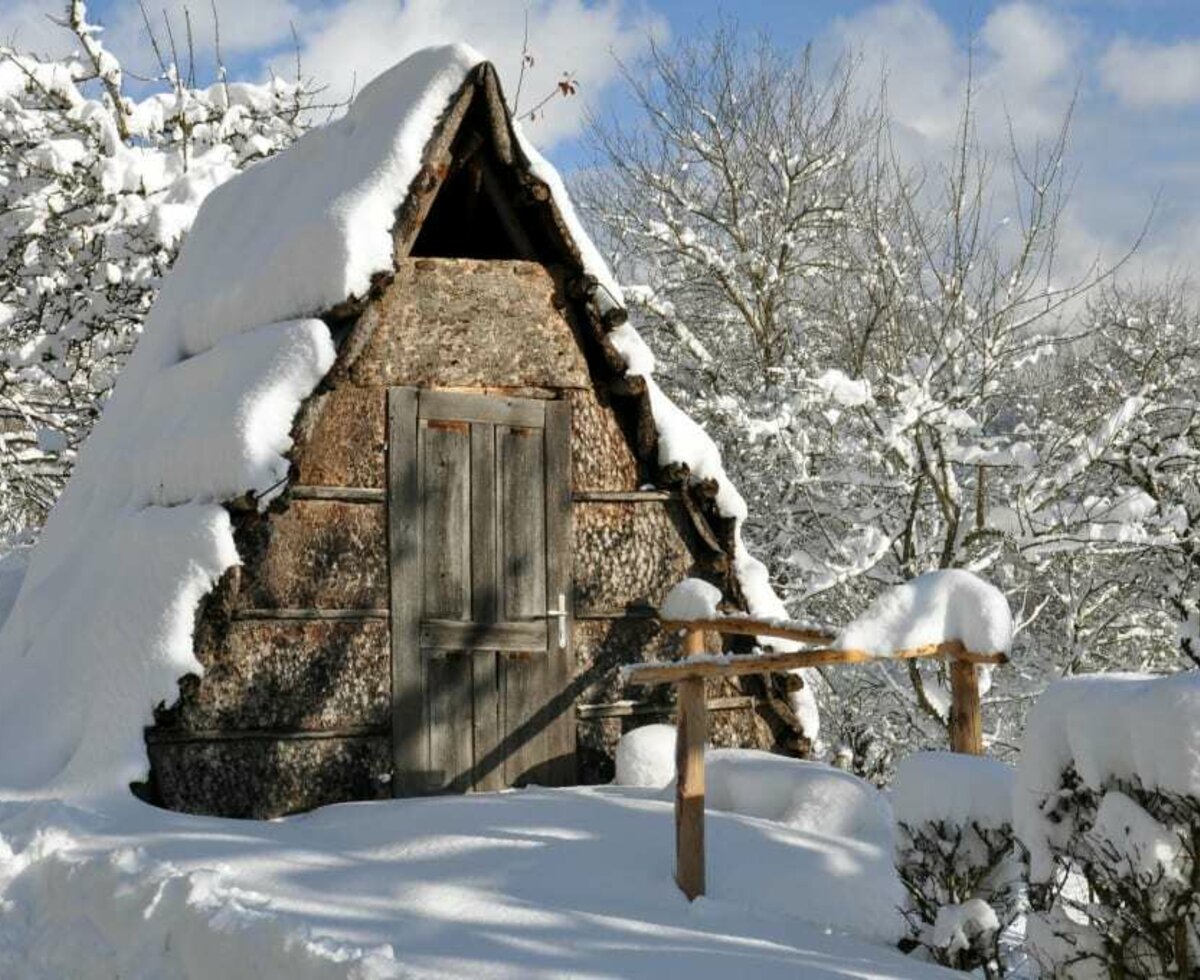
point(474, 533)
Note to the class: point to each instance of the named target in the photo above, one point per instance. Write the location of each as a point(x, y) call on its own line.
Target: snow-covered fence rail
point(688, 676)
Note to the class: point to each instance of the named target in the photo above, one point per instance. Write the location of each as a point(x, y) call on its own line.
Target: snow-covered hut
point(384, 497)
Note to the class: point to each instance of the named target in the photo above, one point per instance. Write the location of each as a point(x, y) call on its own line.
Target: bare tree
point(875, 342)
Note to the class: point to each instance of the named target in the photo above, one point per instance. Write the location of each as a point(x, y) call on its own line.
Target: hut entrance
point(479, 532)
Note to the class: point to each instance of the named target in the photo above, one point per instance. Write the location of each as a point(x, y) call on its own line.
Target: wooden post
point(966, 722)
point(690, 735)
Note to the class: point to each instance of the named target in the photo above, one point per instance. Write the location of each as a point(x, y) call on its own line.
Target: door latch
point(561, 615)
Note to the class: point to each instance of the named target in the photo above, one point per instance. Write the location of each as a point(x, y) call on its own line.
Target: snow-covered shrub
point(97, 190)
point(1108, 804)
point(957, 857)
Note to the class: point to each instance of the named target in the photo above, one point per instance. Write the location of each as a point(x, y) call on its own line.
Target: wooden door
point(479, 512)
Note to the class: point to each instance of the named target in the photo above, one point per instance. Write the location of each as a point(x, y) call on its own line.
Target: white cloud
point(245, 29)
point(1022, 68)
point(1029, 47)
point(355, 41)
point(1027, 66)
point(1146, 75)
point(27, 26)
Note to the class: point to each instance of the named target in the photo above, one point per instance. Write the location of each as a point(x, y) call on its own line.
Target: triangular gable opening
point(473, 215)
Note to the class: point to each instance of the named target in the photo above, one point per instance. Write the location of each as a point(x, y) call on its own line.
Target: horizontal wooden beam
point(618, 612)
point(166, 736)
point(353, 495)
point(626, 709)
point(449, 634)
point(624, 496)
point(745, 626)
point(305, 615)
point(459, 406)
point(733, 665)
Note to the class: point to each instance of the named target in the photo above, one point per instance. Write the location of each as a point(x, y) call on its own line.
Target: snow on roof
point(102, 628)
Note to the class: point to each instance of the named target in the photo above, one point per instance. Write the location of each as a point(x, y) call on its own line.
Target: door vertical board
point(525, 741)
point(451, 748)
point(520, 475)
point(520, 468)
point(487, 767)
point(410, 738)
point(559, 538)
point(445, 449)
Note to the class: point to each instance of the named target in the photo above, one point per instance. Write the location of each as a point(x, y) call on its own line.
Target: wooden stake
point(966, 722)
point(690, 735)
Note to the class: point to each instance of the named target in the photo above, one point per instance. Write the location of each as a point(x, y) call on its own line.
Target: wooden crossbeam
point(763, 663)
point(746, 626)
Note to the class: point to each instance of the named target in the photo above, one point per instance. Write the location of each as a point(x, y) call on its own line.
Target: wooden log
point(690, 735)
point(966, 722)
point(736, 666)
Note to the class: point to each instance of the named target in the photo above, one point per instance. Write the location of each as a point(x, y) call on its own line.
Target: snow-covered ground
point(534, 883)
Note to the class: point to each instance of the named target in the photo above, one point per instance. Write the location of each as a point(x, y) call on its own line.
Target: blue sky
point(1135, 65)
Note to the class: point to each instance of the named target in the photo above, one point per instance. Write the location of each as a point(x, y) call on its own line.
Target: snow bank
point(933, 608)
point(646, 757)
point(1110, 728)
point(807, 796)
point(12, 573)
point(534, 884)
point(951, 787)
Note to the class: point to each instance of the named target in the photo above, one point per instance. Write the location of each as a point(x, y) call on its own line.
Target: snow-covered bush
point(957, 857)
point(1108, 804)
point(97, 189)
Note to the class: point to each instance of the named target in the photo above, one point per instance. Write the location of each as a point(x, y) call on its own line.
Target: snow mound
point(1128, 728)
point(12, 573)
point(807, 796)
point(102, 628)
point(692, 598)
point(958, 789)
point(564, 884)
point(951, 604)
point(646, 757)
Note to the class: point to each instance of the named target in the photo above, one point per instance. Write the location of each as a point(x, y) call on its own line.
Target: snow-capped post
point(690, 735)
